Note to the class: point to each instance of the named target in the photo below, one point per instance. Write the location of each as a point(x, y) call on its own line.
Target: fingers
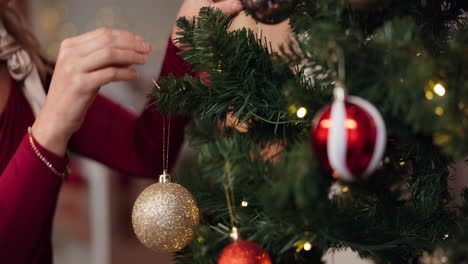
point(95, 40)
point(112, 57)
point(118, 39)
point(229, 7)
point(112, 74)
point(103, 56)
point(87, 36)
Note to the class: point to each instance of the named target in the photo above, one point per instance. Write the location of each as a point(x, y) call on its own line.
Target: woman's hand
point(191, 8)
point(85, 63)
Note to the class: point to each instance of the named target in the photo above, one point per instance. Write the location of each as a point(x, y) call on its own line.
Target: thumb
point(229, 7)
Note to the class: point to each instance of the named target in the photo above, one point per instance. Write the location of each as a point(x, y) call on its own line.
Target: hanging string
point(164, 146)
point(168, 143)
point(341, 65)
point(230, 199)
point(336, 61)
point(166, 139)
point(229, 203)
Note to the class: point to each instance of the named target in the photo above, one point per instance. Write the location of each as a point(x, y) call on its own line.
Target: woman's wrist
point(58, 165)
point(50, 137)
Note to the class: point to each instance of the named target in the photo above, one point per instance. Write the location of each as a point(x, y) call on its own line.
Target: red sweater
point(110, 134)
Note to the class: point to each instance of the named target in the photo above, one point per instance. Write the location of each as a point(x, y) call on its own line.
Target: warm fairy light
point(349, 123)
point(345, 189)
point(303, 245)
point(245, 203)
point(429, 95)
point(292, 109)
point(307, 246)
point(446, 236)
point(234, 234)
point(439, 89)
point(439, 111)
point(402, 162)
point(441, 139)
point(302, 112)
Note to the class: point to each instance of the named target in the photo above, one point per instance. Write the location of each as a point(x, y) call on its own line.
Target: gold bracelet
point(63, 175)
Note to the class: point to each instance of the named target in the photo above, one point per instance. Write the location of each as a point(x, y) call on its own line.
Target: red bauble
point(243, 252)
point(349, 138)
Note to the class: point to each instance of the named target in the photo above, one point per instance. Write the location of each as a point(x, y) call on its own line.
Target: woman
point(74, 117)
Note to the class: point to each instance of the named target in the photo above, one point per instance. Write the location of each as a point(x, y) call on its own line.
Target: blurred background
point(93, 223)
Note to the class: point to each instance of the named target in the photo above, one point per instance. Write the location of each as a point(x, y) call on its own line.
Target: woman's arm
point(84, 64)
point(29, 192)
point(28, 188)
point(131, 144)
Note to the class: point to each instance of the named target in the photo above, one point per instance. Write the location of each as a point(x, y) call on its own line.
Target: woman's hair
point(16, 26)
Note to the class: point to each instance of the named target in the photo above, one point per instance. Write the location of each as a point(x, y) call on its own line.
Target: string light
point(429, 95)
point(439, 89)
point(345, 189)
point(301, 112)
point(235, 233)
point(303, 245)
point(307, 246)
point(402, 162)
point(439, 111)
point(244, 204)
point(441, 139)
point(292, 109)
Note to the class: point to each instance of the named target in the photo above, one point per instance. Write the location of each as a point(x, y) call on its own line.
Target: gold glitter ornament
point(165, 216)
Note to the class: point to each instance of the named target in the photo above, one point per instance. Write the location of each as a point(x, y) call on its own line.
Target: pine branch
point(394, 58)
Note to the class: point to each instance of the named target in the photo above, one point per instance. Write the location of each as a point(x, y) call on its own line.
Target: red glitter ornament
point(349, 138)
point(244, 252)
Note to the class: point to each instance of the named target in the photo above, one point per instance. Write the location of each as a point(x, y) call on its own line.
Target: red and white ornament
point(349, 137)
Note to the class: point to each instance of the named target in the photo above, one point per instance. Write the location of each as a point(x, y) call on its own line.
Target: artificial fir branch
point(393, 57)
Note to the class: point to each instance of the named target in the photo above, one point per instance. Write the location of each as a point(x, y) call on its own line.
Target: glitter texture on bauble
point(165, 217)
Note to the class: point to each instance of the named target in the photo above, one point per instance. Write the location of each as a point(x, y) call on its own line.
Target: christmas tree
point(261, 168)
